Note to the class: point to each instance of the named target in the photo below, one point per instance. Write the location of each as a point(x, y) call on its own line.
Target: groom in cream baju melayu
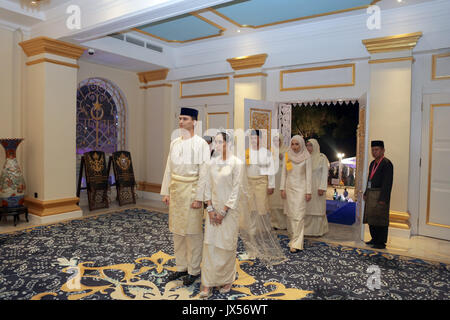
point(183, 189)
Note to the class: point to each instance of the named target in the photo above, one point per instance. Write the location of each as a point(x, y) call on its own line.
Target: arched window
point(101, 117)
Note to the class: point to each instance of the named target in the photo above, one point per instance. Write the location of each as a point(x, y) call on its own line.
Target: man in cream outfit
point(183, 190)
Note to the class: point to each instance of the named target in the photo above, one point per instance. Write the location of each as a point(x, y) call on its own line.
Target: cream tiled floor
point(417, 246)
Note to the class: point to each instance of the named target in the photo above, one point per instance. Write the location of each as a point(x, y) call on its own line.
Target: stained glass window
point(100, 117)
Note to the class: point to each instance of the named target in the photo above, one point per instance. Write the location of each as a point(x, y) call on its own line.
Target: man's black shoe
point(379, 246)
point(370, 242)
point(176, 275)
point(190, 279)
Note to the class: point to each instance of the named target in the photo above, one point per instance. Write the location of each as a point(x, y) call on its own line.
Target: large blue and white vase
point(12, 184)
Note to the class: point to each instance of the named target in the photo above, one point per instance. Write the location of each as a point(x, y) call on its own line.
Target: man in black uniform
point(378, 195)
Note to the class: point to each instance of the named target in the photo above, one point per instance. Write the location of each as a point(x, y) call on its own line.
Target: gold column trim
point(433, 66)
point(391, 60)
point(398, 219)
point(290, 20)
point(148, 187)
point(155, 75)
point(30, 63)
point(343, 66)
point(157, 86)
point(248, 62)
point(206, 94)
point(256, 74)
point(428, 222)
point(398, 215)
point(215, 113)
point(44, 208)
point(399, 42)
point(47, 45)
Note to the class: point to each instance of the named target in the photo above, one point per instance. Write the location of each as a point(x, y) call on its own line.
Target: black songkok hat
point(377, 143)
point(255, 132)
point(189, 112)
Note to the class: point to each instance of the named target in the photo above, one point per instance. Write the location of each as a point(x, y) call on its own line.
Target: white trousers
point(188, 252)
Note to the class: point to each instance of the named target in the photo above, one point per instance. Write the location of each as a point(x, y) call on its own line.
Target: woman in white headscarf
point(295, 187)
point(223, 190)
point(316, 223)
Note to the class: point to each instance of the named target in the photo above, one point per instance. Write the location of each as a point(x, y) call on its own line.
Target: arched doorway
point(101, 118)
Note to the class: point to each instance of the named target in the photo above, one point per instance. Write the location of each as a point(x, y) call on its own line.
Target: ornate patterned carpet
point(129, 255)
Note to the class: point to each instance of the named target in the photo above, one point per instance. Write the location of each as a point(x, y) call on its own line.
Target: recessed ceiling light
point(239, 31)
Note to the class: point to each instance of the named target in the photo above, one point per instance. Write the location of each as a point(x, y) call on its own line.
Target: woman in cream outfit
point(295, 187)
point(276, 204)
point(316, 223)
point(222, 222)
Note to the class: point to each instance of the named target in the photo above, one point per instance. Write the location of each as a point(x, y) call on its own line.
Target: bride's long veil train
point(256, 233)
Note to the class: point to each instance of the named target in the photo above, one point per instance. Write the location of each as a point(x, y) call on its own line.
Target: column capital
point(248, 62)
point(41, 45)
point(399, 42)
point(154, 75)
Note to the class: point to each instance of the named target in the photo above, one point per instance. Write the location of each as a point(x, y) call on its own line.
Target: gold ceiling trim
point(256, 74)
point(248, 62)
point(195, 14)
point(399, 42)
point(433, 67)
point(41, 45)
point(289, 20)
point(66, 64)
point(157, 86)
point(154, 75)
point(391, 60)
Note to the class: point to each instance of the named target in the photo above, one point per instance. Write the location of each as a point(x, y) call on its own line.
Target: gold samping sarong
point(183, 219)
point(375, 214)
point(259, 200)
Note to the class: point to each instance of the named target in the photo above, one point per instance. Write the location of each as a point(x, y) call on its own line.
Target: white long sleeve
point(283, 176)
point(323, 184)
point(237, 176)
point(308, 175)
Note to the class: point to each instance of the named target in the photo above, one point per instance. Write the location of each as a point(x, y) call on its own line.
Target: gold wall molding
point(205, 94)
point(44, 208)
point(341, 66)
point(157, 86)
point(148, 187)
point(399, 42)
point(290, 20)
point(430, 157)
point(195, 14)
point(255, 74)
point(30, 63)
point(215, 114)
point(248, 62)
point(391, 60)
point(433, 66)
point(41, 45)
point(155, 75)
